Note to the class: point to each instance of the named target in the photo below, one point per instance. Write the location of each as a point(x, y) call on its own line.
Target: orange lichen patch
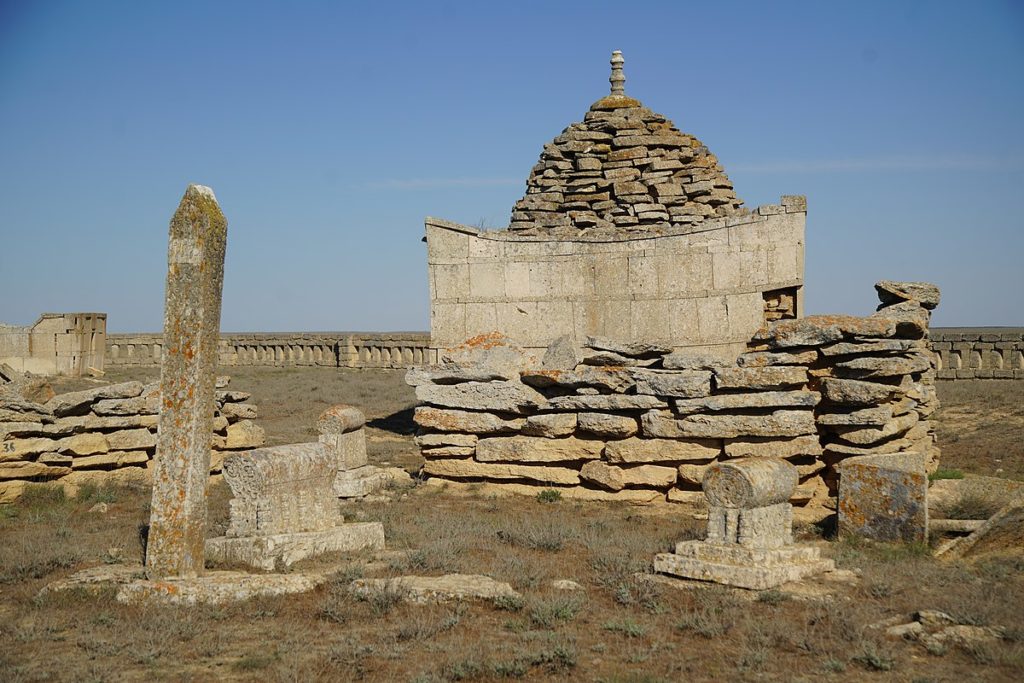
point(615, 102)
point(488, 340)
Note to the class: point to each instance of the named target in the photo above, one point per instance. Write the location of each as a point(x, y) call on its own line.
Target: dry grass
point(980, 425)
point(618, 629)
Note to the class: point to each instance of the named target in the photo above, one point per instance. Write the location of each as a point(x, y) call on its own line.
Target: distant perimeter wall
point(963, 352)
point(55, 344)
point(979, 353)
point(287, 349)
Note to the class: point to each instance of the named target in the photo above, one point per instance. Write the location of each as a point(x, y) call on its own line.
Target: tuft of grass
point(626, 627)
point(945, 474)
point(872, 658)
point(973, 506)
point(549, 496)
point(772, 596)
point(554, 611)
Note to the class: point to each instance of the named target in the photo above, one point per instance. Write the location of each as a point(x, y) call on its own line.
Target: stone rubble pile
point(622, 167)
point(639, 422)
point(109, 430)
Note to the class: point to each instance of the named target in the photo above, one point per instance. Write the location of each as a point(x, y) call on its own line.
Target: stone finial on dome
point(617, 79)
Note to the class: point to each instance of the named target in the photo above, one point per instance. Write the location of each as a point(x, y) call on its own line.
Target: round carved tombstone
point(340, 419)
point(749, 483)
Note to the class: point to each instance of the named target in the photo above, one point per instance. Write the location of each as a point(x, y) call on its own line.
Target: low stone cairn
point(749, 541)
point(285, 507)
point(105, 434)
point(642, 422)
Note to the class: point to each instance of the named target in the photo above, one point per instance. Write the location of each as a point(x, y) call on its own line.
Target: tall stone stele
point(195, 279)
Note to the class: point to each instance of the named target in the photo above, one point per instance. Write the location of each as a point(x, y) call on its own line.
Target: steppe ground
point(619, 628)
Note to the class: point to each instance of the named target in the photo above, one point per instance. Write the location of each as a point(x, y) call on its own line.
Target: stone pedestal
point(341, 431)
point(750, 530)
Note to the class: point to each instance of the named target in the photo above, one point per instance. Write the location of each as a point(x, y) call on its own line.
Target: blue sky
point(329, 130)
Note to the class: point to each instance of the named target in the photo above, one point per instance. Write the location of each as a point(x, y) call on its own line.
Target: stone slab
point(536, 449)
point(436, 589)
point(280, 551)
point(740, 575)
point(884, 497)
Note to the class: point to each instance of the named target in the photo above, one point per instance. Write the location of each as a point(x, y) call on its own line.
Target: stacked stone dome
point(624, 167)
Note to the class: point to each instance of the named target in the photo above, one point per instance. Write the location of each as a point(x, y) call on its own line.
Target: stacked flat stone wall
point(708, 286)
point(979, 354)
point(110, 431)
point(641, 422)
point(288, 349)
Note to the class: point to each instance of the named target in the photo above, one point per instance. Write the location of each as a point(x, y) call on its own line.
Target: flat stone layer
point(737, 566)
point(195, 279)
point(280, 551)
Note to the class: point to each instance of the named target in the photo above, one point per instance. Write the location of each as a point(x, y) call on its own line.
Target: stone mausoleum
point(635, 329)
point(629, 229)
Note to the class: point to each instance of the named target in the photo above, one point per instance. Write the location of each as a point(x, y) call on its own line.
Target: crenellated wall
point(289, 349)
point(979, 354)
point(963, 353)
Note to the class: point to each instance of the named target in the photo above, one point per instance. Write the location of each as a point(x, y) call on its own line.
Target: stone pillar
point(195, 278)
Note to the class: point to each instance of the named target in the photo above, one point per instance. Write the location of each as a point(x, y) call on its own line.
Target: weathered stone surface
point(84, 444)
point(140, 405)
point(777, 423)
point(686, 360)
point(687, 384)
point(636, 450)
point(761, 399)
point(908, 317)
point(239, 411)
point(222, 396)
point(278, 552)
point(433, 589)
point(759, 447)
point(30, 470)
point(448, 451)
point(608, 425)
point(686, 497)
point(749, 483)
point(771, 377)
point(616, 478)
point(446, 439)
point(817, 330)
point(869, 366)
point(536, 449)
point(79, 401)
point(217, 588)
point(924, 293)
point(244, 434)
point(465, 421)
point(856, 392)
point(481, 470)
point(492, 352)
point(561, 354)
point(742, 567)
point(359, 482)
point(632, 496)
point(691, 474)
point(111, 459)
point(864, 417)
point(550, 425)
point(11, 491)
point(340, 419)
point(632, 349)
point(873, 346)
point(195, 278)
point(866, 436)
point(19, 449)
point(454, 374)
point(616, 359)
point(884, 497)
point(607, 402)
point(508, 397)
point(88, 423)
point(19, 405)
point(760, 359)
point(131, 439)
point(609, 379)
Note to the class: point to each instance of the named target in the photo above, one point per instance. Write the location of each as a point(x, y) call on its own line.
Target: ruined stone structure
point(630, 230)
point(749, 542)
point(285, 506)
point(639, 422)
point(56, 344)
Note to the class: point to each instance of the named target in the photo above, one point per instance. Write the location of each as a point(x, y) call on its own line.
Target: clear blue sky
point(329, 130)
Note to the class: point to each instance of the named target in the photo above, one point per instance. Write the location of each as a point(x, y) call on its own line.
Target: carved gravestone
point(749, 540)
point(285, 507)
